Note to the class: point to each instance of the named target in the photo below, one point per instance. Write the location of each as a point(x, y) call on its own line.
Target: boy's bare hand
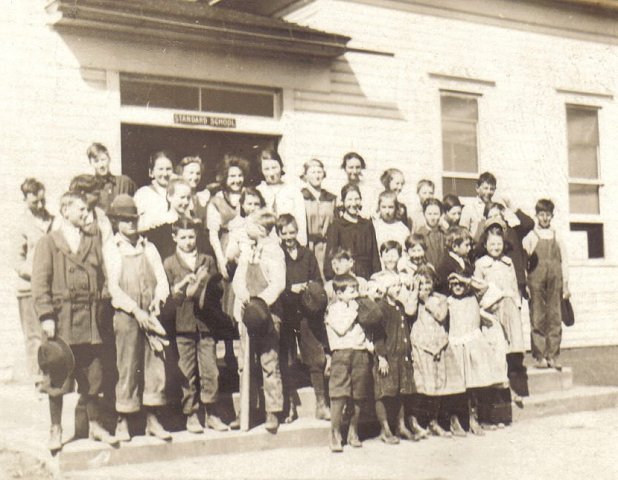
point(298, 287)
point(143, 318)
point(382, 366)
point(327, 366)
point(49, 327)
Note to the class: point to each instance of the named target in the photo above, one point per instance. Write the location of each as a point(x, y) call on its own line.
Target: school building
point(442, 89)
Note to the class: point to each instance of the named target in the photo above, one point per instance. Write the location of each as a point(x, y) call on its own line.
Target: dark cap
point(123, 206)
point(314, 298)
point(257, 318)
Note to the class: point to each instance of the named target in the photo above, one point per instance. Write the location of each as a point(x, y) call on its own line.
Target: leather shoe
point(353, 439)
point(235, 424)
point(215, 423)
point(98, 433)
point(436, 430)
point(193, 424)
point(272, 422)
point(389, 438)
point(155, 429)
point(456, 428)
point(322, 412)
point(55, 439)
point(335, 442)
point(122, 430)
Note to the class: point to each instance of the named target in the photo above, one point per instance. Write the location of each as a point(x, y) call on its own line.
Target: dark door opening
point(140, 141)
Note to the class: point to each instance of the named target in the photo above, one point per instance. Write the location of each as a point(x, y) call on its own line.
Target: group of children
point(417, 312)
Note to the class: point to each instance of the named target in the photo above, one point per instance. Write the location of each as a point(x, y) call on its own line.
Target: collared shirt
point(72, 234)
point(343, 329)
point(190, 258)
point(113, 253)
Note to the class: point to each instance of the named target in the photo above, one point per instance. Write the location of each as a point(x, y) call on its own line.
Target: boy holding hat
point(258, 282)
point(138, 286)
point(67, 278)
point(303, 322)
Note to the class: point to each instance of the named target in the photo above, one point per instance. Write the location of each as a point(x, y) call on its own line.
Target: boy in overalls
point(548, 282)
point(261, 273)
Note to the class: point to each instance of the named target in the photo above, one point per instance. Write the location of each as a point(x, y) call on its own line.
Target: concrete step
point(306, 431)
point(549, 380)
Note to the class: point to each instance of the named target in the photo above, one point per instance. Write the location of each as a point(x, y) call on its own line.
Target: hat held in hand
point(56, 361)
point(369, 313)
point(123, 207)
point(314, 299)
point(257, 317)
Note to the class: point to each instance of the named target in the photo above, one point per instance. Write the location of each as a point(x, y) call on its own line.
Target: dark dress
point(392, 341)
point(360, 239)
point(436, 245)
point(450, 265)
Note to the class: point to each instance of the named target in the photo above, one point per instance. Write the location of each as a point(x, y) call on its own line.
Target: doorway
point(140, 141)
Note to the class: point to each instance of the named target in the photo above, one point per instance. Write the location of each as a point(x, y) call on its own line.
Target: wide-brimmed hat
point(57, 362)
point(257, 317)
point(314, 299)
point(123, 206)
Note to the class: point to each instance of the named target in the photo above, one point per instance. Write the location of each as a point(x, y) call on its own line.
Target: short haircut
point(173, 185)
point(425, 182)
point(427, 271)
point(84, 183)
point(544, 205)
point(451, 201)
point(416, 239)
point(390, 245)
point(152, 160)
point(68, 198)
point(488, 178)
point(342, 254)
point(456, 235)
point(95, 149)
point(387, 177)
point(231, 161)
point(350, 156)
point(432, 201)
point(188, 161)
point(387, 195)
point(347, 188)
point(270, 154)
point(31, 185)
point(184, 224)
point(341, 282)
point(284, 220)
point(265, 219)
point(314, 162)
point(250, 192)
point(490, 206)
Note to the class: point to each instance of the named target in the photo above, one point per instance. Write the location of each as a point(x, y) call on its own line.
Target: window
point(584, 176)
point(230, 99)
point(459, 143)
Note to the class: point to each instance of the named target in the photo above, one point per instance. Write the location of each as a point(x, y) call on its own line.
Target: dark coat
point(67, 287)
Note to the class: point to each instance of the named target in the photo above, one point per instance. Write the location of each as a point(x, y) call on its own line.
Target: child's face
point(353, 169)
point(185, 240)
point(251, 204)
point(192, 173)
point(463, 248)
point(494, 245)
point(271, 171)
point(416, 253)
point(453, 216)
point(76, 213)
point(390, 258)
point(397, 183)
point(180, 199)
point(36, 202)
point(236, 179)
point(458, 289)
point(425, 193)
point(314, 176)
point(350, 293)
point(486, 191)
point(352, 203)
point(161, 171)
point(341, 266)
point(495, 214)
point(288, 236)
point(425, 287)
point(387, 209)
point(432, 215)
point(394, 291)
point(100, 163)
point(544, 219)
point(127, 227)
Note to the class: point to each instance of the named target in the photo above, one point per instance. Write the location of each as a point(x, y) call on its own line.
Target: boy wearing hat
point(303, 322)
point(189, 272)
point(67, 278)
point(260, 278)
point(138, 287)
